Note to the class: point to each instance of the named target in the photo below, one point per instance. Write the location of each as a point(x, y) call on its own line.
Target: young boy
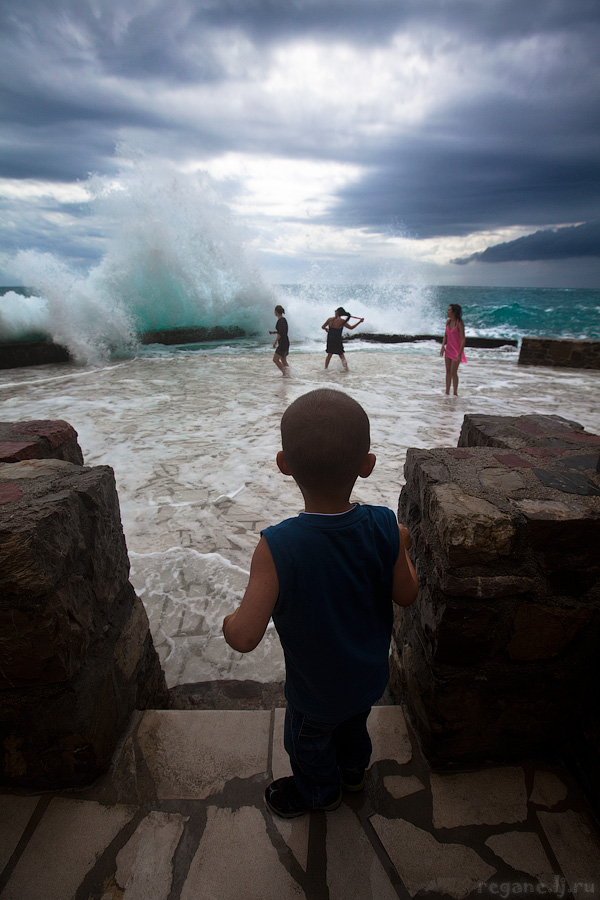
point(328, 577)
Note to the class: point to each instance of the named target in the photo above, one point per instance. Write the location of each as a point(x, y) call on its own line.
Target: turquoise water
point(518, 312)
point(487, 311)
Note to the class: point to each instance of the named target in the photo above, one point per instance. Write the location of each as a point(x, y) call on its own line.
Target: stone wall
point(76, 655)
point(498, 657)
point(559, 352)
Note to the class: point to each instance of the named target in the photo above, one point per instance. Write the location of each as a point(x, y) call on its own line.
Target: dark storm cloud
point(64, 77)
point(519, 146)
point(438, 189)
point(576, 241)
point(495, 162)
point(378, 20)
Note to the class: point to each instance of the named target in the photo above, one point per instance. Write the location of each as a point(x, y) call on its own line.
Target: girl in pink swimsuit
point(453, 346)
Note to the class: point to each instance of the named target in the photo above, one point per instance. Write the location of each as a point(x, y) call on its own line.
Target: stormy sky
point(457, 141)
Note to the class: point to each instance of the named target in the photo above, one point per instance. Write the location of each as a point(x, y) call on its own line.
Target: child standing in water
point(334, 327)
point(453, 346)
point(329, 577)
point(281, 344)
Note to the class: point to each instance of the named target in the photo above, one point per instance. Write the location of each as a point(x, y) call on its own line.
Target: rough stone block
point(13, 451)
point(63, 562)
point(540, 631)
point(76, 654)
point(64, 734)
point(483, 587)
point(471, 530)
point(497, 658)
point(522, 432)
point(39, 439)
point(562, 533)
point(463, 636)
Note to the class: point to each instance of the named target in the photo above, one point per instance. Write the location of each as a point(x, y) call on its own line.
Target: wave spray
point(174, 258)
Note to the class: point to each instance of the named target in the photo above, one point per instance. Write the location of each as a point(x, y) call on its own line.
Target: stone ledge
point(560, 352)
point(227, 694)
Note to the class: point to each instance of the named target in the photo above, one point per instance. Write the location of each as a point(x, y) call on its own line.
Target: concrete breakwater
point(38, 353)
point(563, 353)
point(484, 342)
point(34, 353)
point(582, 354)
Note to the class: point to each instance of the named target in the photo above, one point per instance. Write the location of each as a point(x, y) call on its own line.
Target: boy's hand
point(405, 537)
point(243, 629)
point(406, 585)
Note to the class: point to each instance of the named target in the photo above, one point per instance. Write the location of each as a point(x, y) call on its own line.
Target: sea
point(192, 431)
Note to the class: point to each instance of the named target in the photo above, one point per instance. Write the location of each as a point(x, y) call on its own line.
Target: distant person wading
point(453, 346)
point(281, 344)
point(334, 327)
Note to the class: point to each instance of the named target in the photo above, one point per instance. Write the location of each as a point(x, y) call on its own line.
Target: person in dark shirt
point(281, 344)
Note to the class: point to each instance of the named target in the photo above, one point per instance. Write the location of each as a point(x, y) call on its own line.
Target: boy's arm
point(406, 585)
point(244, 628)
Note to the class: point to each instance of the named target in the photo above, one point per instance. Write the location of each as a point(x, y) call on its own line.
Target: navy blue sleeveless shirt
point(334, 612)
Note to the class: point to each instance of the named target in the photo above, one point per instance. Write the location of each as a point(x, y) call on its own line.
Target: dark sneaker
point(352, 779)
point(284, 799)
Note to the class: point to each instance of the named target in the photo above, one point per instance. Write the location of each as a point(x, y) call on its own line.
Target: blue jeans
point(318, 750)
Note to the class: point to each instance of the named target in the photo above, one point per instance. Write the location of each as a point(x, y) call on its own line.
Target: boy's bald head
point(325, 437)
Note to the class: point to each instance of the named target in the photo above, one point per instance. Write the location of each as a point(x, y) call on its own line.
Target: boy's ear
point(367, 466)
point(281, 463)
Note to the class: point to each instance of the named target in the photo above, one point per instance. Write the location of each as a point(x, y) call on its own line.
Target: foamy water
point(192, 438)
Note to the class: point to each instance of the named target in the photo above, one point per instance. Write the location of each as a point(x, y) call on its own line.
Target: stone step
point(181, 814)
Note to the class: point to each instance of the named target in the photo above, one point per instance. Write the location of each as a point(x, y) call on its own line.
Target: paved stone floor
point(180, 816)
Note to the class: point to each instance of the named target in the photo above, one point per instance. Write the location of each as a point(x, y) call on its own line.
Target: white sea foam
point(174, 257)
point(192, 438)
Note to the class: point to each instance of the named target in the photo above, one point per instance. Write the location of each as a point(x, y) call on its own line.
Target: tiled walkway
point(181, 817)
